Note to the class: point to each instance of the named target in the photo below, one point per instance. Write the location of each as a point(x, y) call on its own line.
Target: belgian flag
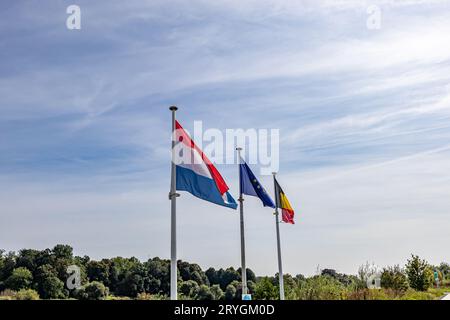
point(282, 202)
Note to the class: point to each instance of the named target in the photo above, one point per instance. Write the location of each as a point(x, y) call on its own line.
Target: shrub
point(189, 289)
point(204, 293)
point(321, 288)
point(420, 274)
point(230, 292)
point(394, 278)
point(265, 290)
point(20, 278)
point(411, 294)
point(27, 294)
point(92, 291)
point(217, 292)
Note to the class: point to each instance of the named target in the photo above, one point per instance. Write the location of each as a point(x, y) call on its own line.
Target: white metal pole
point(241, 209)
point(173, 218)
point(277, 223)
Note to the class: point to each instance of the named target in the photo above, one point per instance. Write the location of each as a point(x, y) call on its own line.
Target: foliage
point(119, 278)
point(49, 285)
point(320, 288)
point(217, 292)
point(230, 292)
point(27, 294)
point(420, 274)
point(266, 290)
point(92, 291)
point(394, 278)
point(21, 278)
point(189, 289)
point(204, 293)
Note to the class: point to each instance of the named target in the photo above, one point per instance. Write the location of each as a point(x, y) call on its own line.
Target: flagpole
point(173, 217)
point(277, 223)
point(241, 209)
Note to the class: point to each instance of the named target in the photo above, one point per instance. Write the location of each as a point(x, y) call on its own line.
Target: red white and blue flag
point(196, 174)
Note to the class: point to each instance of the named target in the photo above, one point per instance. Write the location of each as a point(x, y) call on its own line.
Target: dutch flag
point(196, 174)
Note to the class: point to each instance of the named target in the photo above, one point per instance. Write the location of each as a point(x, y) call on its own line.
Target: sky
point(363, 115)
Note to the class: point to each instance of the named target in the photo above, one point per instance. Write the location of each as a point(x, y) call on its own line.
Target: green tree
point(189, 288)
point(49, 285)
point(92, 291)
point(192, 271)
point(420, 274)
point(217, 292)
point(99, 271)
point(230, 292)
point(265, 290)
point(204, 293)
point(21, 278)
point(320, 288)
point(394, 278)
point(445, 269)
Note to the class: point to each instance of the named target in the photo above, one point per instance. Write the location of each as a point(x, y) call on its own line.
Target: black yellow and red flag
point(282, 202)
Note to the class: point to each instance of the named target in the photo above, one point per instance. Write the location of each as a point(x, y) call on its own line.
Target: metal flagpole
point(277, 223)
point(173, 218)
point(241, 209)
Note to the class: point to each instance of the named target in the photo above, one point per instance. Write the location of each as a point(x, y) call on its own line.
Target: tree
point(217, 292)
point(265, 290)
point(445, 269)
point(204, 293)
point(49, 285)
point(63, 251)
point(420, 274)
point(211, 274)
point(157, 276)
point(99, 271)
point(230, 292)
point(92, 291)
point(21, 278)
point(9, 263)
point(192, 271)
point(131, 285)
point(320, 288)
point(394, 278)
point(189, 289)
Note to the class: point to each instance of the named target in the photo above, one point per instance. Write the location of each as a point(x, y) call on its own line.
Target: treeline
point(58, 274)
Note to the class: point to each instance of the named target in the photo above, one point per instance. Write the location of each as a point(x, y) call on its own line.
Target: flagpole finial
point(173, 108)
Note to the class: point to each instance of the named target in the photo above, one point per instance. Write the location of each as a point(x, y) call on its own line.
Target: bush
point(189, 289)
point(148, 296)
point(230, 292)
point(20, 278)
point(420, 274)
point(321, 288)
point(394, 278)
point(27, 294)
point(217, 292)
point(417, 295)
point(92, 291)
point(265, 290)
point(204, 293)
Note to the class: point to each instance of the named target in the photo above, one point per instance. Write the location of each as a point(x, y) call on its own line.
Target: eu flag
point(251, 186)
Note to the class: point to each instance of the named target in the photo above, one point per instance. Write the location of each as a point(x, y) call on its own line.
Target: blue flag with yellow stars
point(251, 186)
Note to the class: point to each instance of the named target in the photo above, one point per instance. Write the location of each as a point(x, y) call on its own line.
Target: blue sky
point(363, 117)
